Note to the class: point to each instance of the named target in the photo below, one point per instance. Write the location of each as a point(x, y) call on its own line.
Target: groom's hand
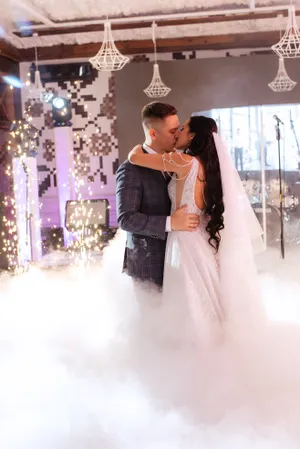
point(182, 221)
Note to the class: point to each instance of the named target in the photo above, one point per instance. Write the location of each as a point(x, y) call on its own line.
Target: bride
point(211, 270)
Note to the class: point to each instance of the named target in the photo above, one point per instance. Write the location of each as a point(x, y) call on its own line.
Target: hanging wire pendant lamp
point(156, 89)
point(108, 58)
point(282, 82)
point(36, 91)
point(289, 44)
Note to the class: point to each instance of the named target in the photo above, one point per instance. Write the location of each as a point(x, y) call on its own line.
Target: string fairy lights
point(21, 145)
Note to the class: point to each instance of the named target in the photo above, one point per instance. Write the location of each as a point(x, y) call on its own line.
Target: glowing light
point(22, 143)
point(13, 81)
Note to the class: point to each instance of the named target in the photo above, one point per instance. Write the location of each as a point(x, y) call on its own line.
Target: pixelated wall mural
point(94, 138)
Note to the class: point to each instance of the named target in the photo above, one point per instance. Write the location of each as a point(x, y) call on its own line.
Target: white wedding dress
point(191, 273)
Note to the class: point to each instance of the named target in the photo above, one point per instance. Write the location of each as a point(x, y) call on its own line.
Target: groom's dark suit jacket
point(143, 205)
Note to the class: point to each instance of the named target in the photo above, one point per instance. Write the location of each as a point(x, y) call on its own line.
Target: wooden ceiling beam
point(9, 51)
point(51, 31)
point(215, 42)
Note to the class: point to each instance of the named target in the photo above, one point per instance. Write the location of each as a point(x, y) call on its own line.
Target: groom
point(143, 204)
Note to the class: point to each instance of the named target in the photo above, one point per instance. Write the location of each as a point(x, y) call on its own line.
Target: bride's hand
point(136, 150)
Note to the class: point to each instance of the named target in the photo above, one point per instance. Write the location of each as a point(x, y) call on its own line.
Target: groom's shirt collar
point(149, 149)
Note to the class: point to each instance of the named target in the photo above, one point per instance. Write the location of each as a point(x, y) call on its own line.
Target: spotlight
point(59, 103)
point(13, 81)
point(25, 28)
point(61, 111)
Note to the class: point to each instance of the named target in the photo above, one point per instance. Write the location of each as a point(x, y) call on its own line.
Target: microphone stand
point(278, 137)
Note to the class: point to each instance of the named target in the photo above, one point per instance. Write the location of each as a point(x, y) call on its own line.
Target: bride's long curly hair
point(203, 147)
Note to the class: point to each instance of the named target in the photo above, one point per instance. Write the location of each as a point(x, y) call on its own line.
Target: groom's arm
point(129, 197)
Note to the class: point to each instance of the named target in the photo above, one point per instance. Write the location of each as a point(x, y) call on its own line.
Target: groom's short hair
point(156, 111)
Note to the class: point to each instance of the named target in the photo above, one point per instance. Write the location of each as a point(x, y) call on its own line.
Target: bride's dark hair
point(203, 147)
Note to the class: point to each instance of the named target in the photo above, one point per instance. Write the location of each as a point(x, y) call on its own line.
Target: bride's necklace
point(168, 157)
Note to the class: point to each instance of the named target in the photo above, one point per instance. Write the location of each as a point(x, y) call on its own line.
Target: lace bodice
point(188, 196)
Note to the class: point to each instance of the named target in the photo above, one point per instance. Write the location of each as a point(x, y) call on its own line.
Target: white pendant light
point(36, 90)
point(108, 58)
point(289, 44)
point(156, 89)
point(282, 82)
